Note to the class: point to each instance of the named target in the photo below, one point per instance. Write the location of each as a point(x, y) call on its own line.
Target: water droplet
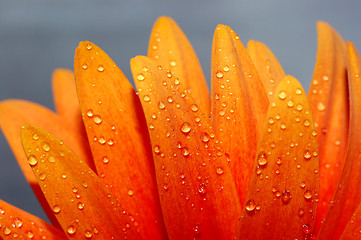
point(196, 231)
point(85, 67)
point(298, 91)
point(226, 68)
point(80, 205)
point(35, 136)
point(173, 63)
point(17, 222)
point(161, 105)
point(205, 137)
point(301, 212)
point(32, 160)
point(290, 103)
point(71, 229)
point(140, 77)
point(170, 99)
point(88, 234)
point(202, 190)
point(97, 119)
point(130, 192)
point(286, 196)
point(56, 209)
point(306, 229)
point(42, 176)
point(46, 147)
point(307, 194)
point(307, 155)
point(146, 98)
point(321, 107)
point(101, 68)
point(250, 205)
point(219, 74)
point(105, 160)
point(186, 128)
point(282, 95)
point(185, 152)
point(85, 184)
point(306, 123)
point(194, 108)
point(90, 113)
point(89, 46)
point(299, 107)
point(262, 159)
point(219, 170)
point(7, 231)
point(157, 149)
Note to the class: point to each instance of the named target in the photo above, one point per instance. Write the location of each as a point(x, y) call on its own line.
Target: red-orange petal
point(348, 195)
point(118, 136)
point(169, 46)
point(239, 103)
point(267, 65)
point(282, 197)
point(352, 230)
point(328, 96)
point(17, 224)
point(79, 199)
point(16, 113)
point(194, 180)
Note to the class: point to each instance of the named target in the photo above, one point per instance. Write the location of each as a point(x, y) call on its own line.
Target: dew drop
point(286, 196)
point(307, 194)
point(35, 136)
point(194, 108)
point(89, 46)
point(32, 160)
point(321, 107)
point(17, 222)
point(46, 147)
point(219, 74)
point(185, 152)
point(146, 98)
point(196, 231)
point(219, 170)
point(71, 229)
point(202, 190)
point(161, 105)
point(205, 137)
point(90, 113)
point(80, 205)
point(88, 234)
point(56, 209)
point(250, 205)
point(7, 231)
point(307, 155)
point(101, 68)
point(140, 77)
point(301, 212)
point(85, 67)
point(130, 192)
point(282, 95)
point(97, 119)
point(51, 159)
point(42, 176)
point(156, 149)
point(185, 128)
point(306, 229)
point(262, 159)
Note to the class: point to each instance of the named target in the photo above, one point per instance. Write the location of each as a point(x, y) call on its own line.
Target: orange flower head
point(258, 158)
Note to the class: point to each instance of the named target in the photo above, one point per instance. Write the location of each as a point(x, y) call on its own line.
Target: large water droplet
point(262, 159)
point(185, 127)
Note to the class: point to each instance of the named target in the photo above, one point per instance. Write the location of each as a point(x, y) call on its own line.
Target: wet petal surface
point(193, 176)
point(281, 203)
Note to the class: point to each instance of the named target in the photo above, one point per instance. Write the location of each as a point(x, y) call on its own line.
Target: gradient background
point(40, 35)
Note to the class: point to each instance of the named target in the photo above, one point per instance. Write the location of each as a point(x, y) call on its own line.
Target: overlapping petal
point(16, 113)
point(169, 46)
point(347, 196)
point(17, 224)
point(194, 180)
point(281, 203)
point(118, 136)
point(267, 65)
point(239, 104)
point(328, 96)
point(79, 191)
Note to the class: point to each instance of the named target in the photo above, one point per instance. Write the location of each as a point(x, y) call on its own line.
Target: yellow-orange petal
point(239, 104)
point(17, 224)
point(74, 191)
point(194, 180)
point(16, 113)
point(267, 65)
point(348, 196)
point(282, 197)
point(118, 136)
point(328, 96)
point(169, 46)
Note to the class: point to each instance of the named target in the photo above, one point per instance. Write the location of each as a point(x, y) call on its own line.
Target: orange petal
point(118, 136)
point(172, 50)
point(17, 224)
point(281, 202)
point(239, 103)
point(16, 113)
point(348, 195)
point(79, 199)
point(353, 228)
point(267, 65)
point(328, 98)
point(194, 180)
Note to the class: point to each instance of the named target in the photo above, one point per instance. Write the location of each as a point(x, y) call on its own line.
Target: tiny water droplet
point(219, 74)
point(262, 159)
point(56, 209)
point(286, 196)
point(140, 77)
point(101, 68)
point(71, 229)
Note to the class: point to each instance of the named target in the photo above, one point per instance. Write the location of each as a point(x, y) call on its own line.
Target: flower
point(256, 159)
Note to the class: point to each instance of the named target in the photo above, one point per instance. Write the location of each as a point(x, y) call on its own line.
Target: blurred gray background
point(40, 35)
